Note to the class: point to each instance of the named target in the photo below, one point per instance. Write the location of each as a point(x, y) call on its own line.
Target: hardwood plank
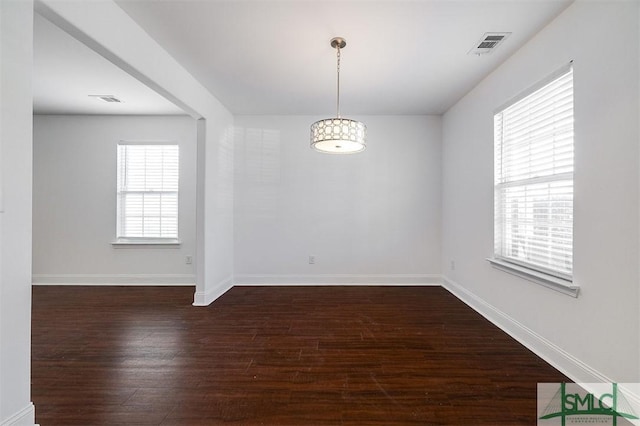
point(275, 356)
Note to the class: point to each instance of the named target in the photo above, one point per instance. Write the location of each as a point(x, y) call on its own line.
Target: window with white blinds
point(534, 178)
point(147, 191)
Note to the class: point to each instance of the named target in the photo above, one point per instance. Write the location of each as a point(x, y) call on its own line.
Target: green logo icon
point(610, 404)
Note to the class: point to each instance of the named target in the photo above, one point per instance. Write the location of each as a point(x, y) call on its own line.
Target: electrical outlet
point(453, 265)
point(312, 259)
point(188, 260)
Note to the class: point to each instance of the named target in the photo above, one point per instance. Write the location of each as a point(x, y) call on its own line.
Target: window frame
point(145, 241)
point(554, 279)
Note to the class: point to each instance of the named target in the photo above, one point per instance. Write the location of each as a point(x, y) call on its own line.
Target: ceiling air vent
point(106, 98)
point(488, 43)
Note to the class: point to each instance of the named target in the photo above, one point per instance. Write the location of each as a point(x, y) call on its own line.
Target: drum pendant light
point(338, 135)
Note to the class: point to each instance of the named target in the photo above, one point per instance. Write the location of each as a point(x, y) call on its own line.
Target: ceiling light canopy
point(338, 135)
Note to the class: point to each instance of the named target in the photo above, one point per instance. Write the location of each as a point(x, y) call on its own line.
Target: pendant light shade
point(338, 135)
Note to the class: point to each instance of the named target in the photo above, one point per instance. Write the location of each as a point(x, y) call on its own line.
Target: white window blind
point(147, 191)
point(534, 178)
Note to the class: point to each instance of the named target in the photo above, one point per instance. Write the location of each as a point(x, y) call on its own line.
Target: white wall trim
point(572, 367)
point(26, 416)
point(201, 298)
point(339, 279)
point(114, 279)
point(631, 392)
point(560, 285)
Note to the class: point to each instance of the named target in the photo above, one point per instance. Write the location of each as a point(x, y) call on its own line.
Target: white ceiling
point(66, 72)
point(273, 56)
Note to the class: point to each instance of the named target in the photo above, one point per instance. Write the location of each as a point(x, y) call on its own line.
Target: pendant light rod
point(338, 43)
point(338, 83)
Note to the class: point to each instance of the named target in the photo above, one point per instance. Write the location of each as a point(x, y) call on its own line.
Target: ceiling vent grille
point(107, 98)
point(488, 43)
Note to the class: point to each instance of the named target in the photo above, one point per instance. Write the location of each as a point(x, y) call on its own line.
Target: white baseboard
point(114, 279)
point(577, 370)
point(26, 417)
point(570, 366)
point(631, 392)
point(338, 279)
point(205, 298)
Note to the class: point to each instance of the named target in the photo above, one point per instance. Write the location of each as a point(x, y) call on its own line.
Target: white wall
point(74, 202)
point(596, 336)
point(16, 52)
point(92, 23)
point(218, 217)
point(367, 217)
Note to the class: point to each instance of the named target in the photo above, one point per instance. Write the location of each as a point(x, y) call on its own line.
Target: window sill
point(142, 243)
point(549, 281)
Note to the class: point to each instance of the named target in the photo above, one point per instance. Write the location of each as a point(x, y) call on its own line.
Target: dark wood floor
point(276, 356)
